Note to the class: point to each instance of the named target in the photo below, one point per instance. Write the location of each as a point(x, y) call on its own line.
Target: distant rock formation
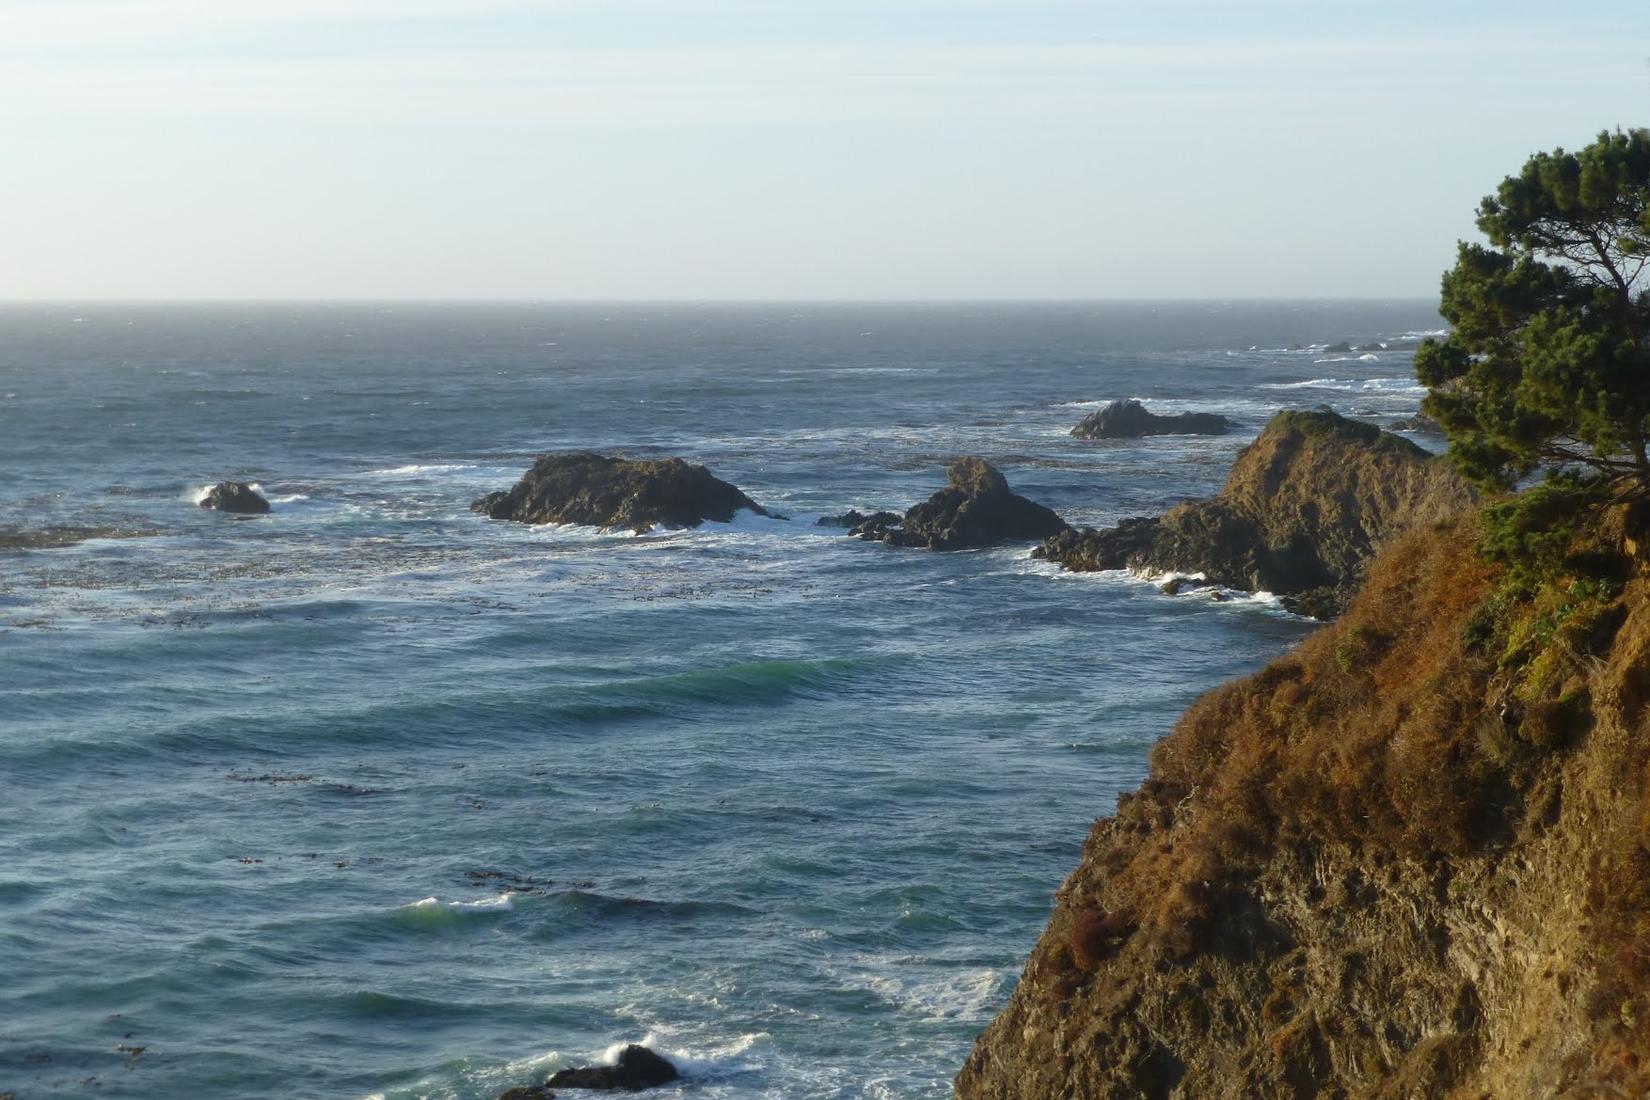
point(235, 496)
point(1305, 506)
point(617, 493)
point(1129, 419)
point(976, 508)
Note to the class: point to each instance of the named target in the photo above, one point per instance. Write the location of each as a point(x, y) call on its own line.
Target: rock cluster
point(617, 493)
point(976, 508)
point(1304, 508)
point(1129, 419)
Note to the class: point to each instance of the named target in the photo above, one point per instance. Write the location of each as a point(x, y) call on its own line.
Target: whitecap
point(495, 904)
point(414, 470)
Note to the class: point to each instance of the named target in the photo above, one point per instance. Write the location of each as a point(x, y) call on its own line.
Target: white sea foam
point(498, 903)
point(967, 993)
point(416, 470)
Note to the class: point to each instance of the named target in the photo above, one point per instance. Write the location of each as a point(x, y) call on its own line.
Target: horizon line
point(571, 301)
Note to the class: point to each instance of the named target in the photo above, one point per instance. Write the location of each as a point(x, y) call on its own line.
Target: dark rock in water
point(853, 517)
point(1341, 348)
point(637, 1068)
point(529, 1092)
point(1130, 419)
point(1174, 586)
point(605, 492)
point(235, 496)
point(976, 508)
point(1372, 347)
point(1420, 422)
point(1305, 507)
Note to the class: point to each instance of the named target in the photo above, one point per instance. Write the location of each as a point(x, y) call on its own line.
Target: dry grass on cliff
point(1415, 728)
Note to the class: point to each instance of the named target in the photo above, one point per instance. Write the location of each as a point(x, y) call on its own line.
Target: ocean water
point(374, 797)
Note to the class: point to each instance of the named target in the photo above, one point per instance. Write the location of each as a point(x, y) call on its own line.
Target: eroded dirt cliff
point(1411, 858)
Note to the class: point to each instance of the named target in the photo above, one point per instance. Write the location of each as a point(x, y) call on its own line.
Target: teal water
point(375, 797)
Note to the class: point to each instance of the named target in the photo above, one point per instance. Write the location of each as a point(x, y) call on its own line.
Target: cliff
point(1304, 508)
point(1409, 859)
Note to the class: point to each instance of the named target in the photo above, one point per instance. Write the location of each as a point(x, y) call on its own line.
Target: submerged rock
point(1129, 419)
point(636, 1068)
point(976, 508)
point(235, 496)
point(1305, 507)
point(617, 493)
point(55, 538)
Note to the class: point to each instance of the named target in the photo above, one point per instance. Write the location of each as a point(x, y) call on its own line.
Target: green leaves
point(1547, 365)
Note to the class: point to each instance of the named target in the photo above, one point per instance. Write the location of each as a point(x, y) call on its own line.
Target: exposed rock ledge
point(1304, 508)
point(976, 508)
point(1129, 419)
point(617, 493)
point(1410, 859)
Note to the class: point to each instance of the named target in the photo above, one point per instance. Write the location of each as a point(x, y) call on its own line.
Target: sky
point(779, 149)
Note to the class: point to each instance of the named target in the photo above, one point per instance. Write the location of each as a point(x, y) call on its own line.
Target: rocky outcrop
point(1304, 508)
point(1129, 419)
point(616, 493)
point(976, 508)
point(1406, 860)
point(235, 496)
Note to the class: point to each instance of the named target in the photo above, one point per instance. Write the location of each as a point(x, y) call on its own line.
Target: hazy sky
point(780, 148)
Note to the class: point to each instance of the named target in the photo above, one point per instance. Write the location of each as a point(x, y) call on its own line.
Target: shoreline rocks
point(238, 497)
point(1304, 508)
point(616, 493)
point(976, 508)
point(1129, 419)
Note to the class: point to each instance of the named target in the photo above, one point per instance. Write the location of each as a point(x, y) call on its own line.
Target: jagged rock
point(976, 508)
point(235, 496)
point(637, 1068)
point(853, 517)
point(1129, 419)
point(1305, 507)
point(617, 493)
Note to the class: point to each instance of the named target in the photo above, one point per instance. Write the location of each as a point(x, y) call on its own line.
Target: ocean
point(375, 797)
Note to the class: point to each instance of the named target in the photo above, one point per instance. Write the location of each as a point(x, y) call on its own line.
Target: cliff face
point(1409, 859)
point(1305, 506)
